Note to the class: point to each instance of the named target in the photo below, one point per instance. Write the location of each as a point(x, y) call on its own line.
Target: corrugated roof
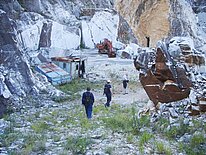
point(55, 74)
point(68, 59)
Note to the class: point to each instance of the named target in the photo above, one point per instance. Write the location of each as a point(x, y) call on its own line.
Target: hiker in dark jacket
point(108, 92)
point(87, 101)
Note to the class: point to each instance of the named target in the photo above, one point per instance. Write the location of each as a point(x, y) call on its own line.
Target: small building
point(54, 74)
point(73, 65)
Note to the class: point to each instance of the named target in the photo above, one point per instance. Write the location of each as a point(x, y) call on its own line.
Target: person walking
point(125, 82)
point(88, 101)
point(108, 92)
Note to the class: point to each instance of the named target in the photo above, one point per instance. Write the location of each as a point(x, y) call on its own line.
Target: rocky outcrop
point(174, 72)
point(146, 18)
point(153, 20)
point(15, 72)
point(125, 33)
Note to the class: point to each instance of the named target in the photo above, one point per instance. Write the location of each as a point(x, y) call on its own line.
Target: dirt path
point(100, 67)
point(135, 94)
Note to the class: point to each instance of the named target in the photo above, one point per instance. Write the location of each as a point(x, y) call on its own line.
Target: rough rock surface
point(146, 18)
point(15, 72)
point(30, 27)
point(163, 19)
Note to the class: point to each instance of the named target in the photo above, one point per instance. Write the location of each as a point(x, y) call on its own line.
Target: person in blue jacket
point(88, 101)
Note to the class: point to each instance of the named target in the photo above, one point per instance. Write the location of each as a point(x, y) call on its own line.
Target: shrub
point(130, 138)
point(161, 149)
point(60, 99)
point(144, 138)
point(77, 145)
point(139, 123)
point(119, 122)
point(177, 131)
point(40, 126)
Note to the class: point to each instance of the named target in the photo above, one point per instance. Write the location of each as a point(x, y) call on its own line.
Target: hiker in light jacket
point(125, 82)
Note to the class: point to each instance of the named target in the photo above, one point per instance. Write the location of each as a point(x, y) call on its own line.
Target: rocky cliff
point(154, 20)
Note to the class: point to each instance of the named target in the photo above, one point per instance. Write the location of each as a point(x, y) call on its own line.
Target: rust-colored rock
point(194, 59)
point(163, 81)
point(202, 104)
point(194, 110)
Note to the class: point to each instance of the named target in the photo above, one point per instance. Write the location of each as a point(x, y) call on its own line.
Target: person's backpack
point(106, 89)
point(87, 97)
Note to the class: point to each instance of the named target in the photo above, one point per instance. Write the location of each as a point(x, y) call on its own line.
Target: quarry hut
point(74, 65)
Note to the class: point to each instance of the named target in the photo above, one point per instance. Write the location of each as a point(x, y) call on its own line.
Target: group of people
point(88, 97)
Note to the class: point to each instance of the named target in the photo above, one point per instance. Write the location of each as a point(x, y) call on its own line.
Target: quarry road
point(100, 67)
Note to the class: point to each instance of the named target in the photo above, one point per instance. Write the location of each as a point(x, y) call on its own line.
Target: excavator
point(106, 47)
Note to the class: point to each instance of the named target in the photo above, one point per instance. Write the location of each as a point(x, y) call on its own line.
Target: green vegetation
point(40, 126)
point(77, 145)
point(77, 85)
point(144, 138)
point(120, 121)
point(33, 143)
point(161, 125)
point(73, 88)
point(196, 145)
point(162, 149)
point(130, 138)
point(61, 99)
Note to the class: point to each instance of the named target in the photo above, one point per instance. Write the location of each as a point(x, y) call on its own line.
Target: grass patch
point(177, 131)
point(161, 125)
point(196, 145)
point(60, 99)
point(77, 145)
point(139, 123)
point(123, 119)
point(162, 149)
point(9, 135)
point(144, 138)
point(40, 126)
point(120, 122)
point(130, 138)
point(33, 143)
point(100, 109)
point(85, 124)
point(77, 85)
point(7, 139)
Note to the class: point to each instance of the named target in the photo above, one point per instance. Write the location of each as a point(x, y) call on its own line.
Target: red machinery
point(106, 48)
